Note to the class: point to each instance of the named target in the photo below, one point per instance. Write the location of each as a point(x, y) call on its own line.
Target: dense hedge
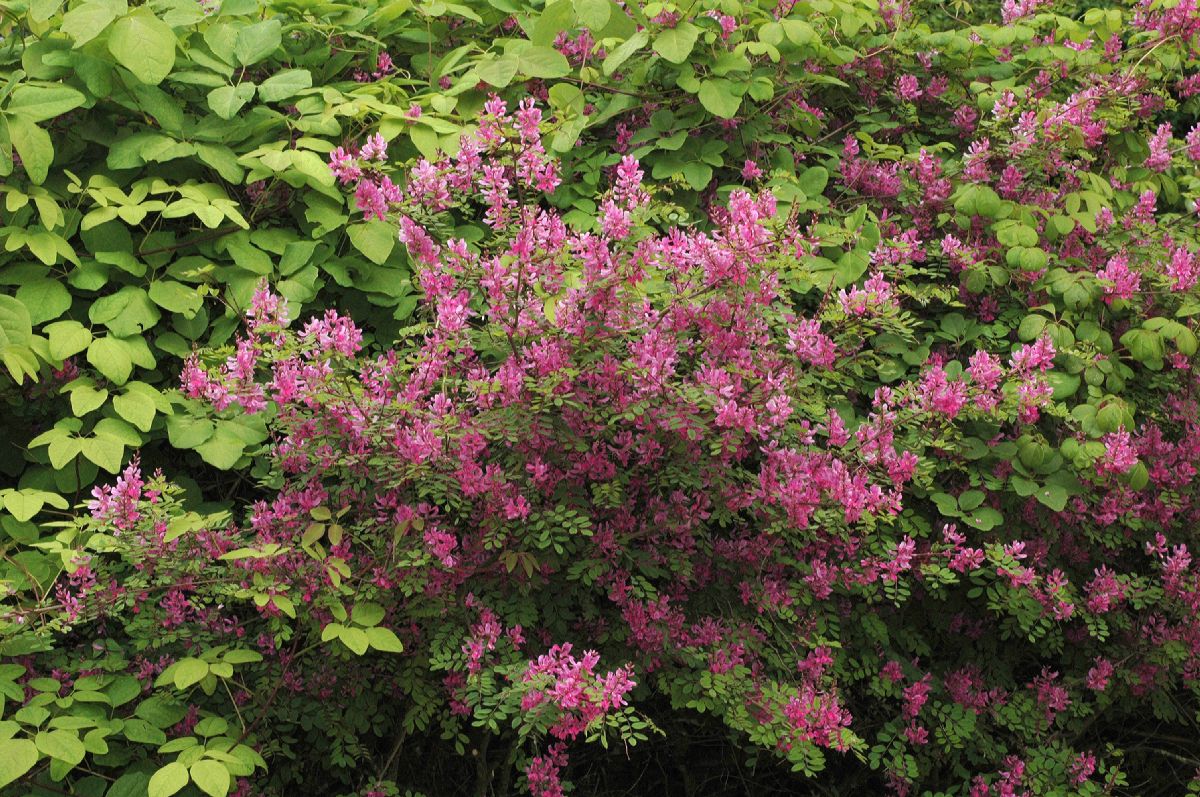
point(713, 398)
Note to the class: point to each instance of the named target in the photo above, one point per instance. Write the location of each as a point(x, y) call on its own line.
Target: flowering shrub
point(814, 378)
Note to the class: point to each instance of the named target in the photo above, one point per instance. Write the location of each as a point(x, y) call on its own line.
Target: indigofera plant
point(815, 378)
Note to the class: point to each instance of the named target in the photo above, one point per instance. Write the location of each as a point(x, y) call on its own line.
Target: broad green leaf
point(984, 518)
point(285, 84)
point(593, 14)
point(384, 639)
point(543, 62)
point(354, 638)
point(39, 103)
point(87, 21)
point(497, 72)
point(719, 98)
point(45, 299)
point(17, 756)
point(133, 784)
point(106, 452)
point(375, 239)
point(188, 672)
point(127, 312)
point(63, 450)
point(210, 726)
point(1053, 496)
point(698, 175)
point(142, 731)
point(176, 297)
point(23, 505)
point(86, 398)
point(676, 44)
point(556, 18)
point(143, 44)
point(110, 358)
point(211, 777)
point(186, 431)
point(135, 407)
point(367, 614)
point(813, 181)
point(63, 745)
point(168, 780)
point(622, 53)
point(226, 101)
point(255, 42)
point(223, 449)
point(33, 144)
point(16, 328)
point(67, 338)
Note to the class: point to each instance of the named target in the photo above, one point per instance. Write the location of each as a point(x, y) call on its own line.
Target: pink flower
point(1119, 454)
point(375, 149)
point(1123, 283)
point(1098, 675)
point(344, 166)
point(908, 88)
point(1159, 159)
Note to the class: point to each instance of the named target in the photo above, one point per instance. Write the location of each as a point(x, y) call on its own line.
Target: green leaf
point(556, 18)
point(186, 431)
point(676, 44)
point(17, 756)
point(211, 777)
point(45, 299)
point(375, 239)
point(242, 656)
point(367, 614)
point(497, 72)
point(63, 745)
point(593, 14)
point(189, 671)
point(255, 42)
point(133, 784)
point(970, 500)
point(719, 98)
point(168, 780)
point(85, 22)
point(284, 84)
point(1031, 327)
point(106, 452)
point(1053, 496)
point(384, 639)
point(143, 44)
point(127, 312)
point(226, 101)
point(22, 505)
point(39, 103)
point(543, 62)
point(176, 297)
point(1064, 385)
point(621, 54)
point(110, 357)
point(135, 407)
point(86, 398)
point(813, 181)
point(354, 638)
point(16, 328)
point(33, 145)
point(141, 731)
point(67, 338)
point(223, 449)
point(698, 175)
point(984, 518)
